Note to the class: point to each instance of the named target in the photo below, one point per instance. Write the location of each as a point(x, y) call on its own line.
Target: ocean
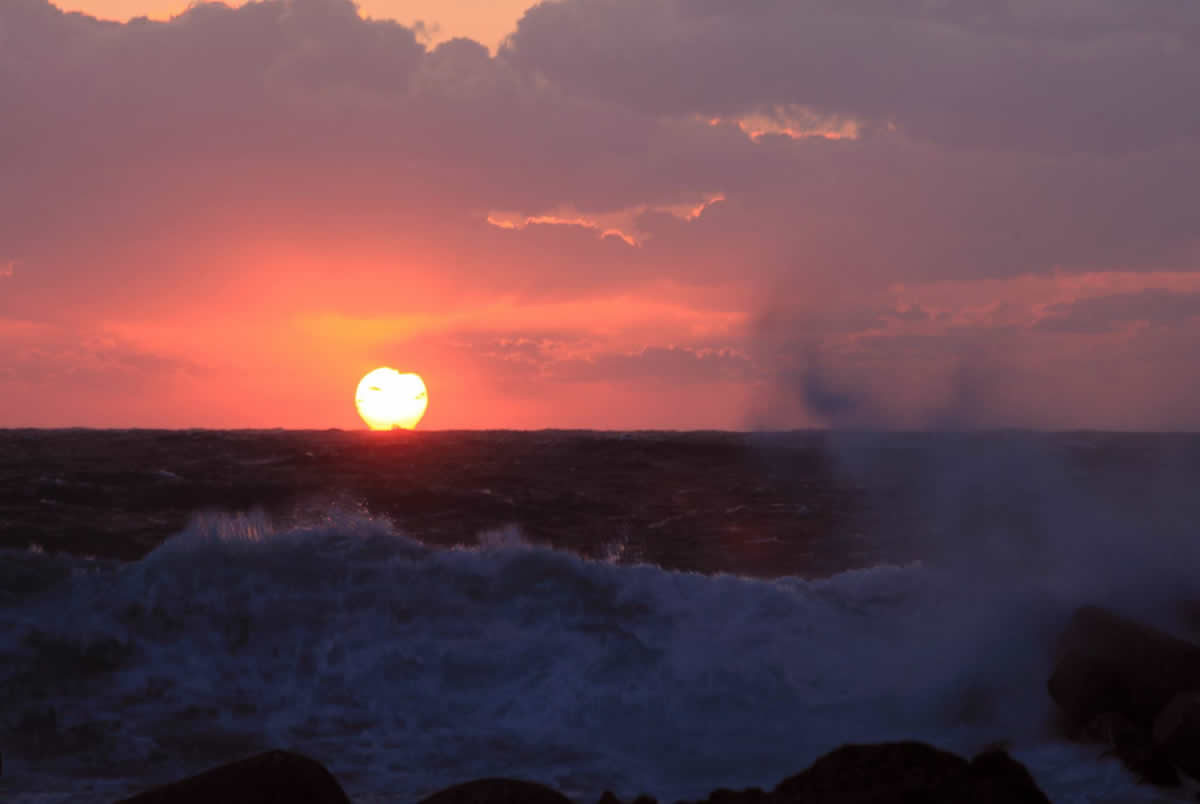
point(408, 655)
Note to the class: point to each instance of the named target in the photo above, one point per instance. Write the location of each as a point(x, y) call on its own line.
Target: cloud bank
point(690, 213)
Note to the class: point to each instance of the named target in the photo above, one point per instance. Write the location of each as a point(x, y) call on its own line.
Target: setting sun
point(387, 399)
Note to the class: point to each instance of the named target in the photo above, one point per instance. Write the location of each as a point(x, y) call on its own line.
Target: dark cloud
point(289, 157)
point(146, 155)
point(1059, 76)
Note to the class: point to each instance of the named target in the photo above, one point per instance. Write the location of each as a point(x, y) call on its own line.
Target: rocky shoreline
point(742, 504)
point(1130, 688)
point(884, 773)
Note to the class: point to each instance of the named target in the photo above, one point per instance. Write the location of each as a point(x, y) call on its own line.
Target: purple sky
point(632, 213)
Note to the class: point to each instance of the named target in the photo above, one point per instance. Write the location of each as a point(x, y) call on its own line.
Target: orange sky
point(627, 216)
point(487, 21)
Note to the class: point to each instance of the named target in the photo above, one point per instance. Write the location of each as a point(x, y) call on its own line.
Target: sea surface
point(407, 664)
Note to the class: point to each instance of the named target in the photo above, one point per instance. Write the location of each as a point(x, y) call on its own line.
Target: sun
point(387, 399)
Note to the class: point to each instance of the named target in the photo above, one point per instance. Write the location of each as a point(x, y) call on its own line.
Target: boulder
point(897, 773)
point(497, 791)
point(1177, 732)
point(723, 795)
point(867, 772)
point(997, 772)
point(1108, 664)
point(886, 773)
point(1132, 743)
point(274, 777)
point(608, 797)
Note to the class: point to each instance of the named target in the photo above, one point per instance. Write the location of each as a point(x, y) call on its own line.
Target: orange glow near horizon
point(389, 400)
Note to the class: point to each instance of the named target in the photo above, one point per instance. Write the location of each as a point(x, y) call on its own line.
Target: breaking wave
point(406, 668)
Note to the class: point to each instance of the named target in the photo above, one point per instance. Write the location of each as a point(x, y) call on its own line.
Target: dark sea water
point(661, 613)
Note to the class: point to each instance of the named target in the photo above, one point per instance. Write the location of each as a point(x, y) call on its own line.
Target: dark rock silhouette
point(497, 791)
point(887, 773)
point(1177, 732)
point(274, 777)
point(870, 770)
point(999, 772)
point(1107, 663)
point(1119, 682)
point(751, 795)
point(1132, 743)
point(608, 798)
point(895, 773)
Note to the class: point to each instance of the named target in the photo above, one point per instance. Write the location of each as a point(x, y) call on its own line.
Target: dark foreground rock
point(887, 773)
point(896, 773)
point(1130, 686)
point(1177, 732)
point(1106, 663)
point(276, 777)
point(893, 773)
point(1133, 744)
point(497, 791)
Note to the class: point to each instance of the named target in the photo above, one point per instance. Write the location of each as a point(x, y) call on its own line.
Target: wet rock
point(275, 776)
point(36, 732)
point(870, 771)
point(1177, 732)
point(607, 797)
point(751, 795)
point(1124, 684)
point(896, 773)
point(721, 795)
point(1132, 743)
point(1106, 663)
point(497, 791)
point(996, 769)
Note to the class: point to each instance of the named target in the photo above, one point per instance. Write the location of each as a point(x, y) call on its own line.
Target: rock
point(721, 795)
point(1131, 743)
point(274, 777)
point(37, 729)
point(751, 795)
point(1113, 680)
point(608, 797)
point(897, 773)
point(1177, 732)
point(998, 771)
point(1107, 663)
point(868, 771)
point(497, 791)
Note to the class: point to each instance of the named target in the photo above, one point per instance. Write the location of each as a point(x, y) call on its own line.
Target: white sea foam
point(406, 668)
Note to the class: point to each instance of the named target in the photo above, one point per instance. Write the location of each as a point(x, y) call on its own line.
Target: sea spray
point(407, 668)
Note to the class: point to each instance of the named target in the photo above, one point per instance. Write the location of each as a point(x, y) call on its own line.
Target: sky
point(680, 214)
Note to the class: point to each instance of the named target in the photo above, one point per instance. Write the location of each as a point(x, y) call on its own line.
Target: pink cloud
point(271, 200)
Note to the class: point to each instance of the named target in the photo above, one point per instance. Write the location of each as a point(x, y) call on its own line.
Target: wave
point(406, 668)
